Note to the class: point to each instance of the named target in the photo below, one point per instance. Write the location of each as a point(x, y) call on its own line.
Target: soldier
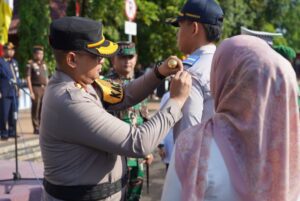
point(9, 77)
point(123, 73)
point(83, 146)
point(37, 79)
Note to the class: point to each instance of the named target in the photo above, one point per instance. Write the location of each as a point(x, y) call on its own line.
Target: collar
point(7, 59)
point(69, 82)
point(122, 77)
point(206, 49)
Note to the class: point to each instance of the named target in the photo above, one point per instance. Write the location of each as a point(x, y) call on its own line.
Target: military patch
point(190, 61)
point(112, 93)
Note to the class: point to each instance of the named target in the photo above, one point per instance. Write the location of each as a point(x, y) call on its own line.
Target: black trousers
point(8, 118)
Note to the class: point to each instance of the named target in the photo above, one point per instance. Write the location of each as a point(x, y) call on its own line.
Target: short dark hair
point(213, 32)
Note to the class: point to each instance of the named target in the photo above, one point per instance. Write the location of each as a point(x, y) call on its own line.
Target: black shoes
point(36, 131)
point(4, 137)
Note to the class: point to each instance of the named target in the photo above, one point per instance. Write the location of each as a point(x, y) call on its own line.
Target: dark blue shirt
point(9, 74)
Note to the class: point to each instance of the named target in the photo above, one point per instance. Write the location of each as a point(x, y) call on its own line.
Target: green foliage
point(33, 30)
point(155, 39)
point(267, 15)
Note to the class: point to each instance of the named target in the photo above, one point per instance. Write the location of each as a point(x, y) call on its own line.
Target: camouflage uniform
point(133, 116)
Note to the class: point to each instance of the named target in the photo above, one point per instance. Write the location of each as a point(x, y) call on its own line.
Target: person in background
point(9, 78)
point(37, 79)
point(256, 127)
point(124, 64)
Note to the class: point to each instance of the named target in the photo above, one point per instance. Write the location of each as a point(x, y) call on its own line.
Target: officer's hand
point(149, 159)
point(180, 87)
point(165, 70)
point(32, 96)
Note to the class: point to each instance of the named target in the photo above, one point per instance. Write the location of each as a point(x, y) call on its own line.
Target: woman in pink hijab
point(255, 127)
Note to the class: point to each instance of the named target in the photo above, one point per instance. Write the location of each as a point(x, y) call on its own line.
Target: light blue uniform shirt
point(199, 107)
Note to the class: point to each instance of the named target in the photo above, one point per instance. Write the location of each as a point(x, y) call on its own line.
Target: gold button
point(172, 63)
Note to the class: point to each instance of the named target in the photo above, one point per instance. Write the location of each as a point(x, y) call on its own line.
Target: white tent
point(267, 36)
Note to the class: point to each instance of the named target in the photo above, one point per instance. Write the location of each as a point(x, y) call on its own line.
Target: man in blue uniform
point(9, 76)
point(199, 28)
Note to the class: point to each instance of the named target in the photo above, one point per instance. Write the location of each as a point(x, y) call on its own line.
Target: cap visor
point(106, 49)
point(173, 21)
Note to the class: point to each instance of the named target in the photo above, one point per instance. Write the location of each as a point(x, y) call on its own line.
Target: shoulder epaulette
point(112, 93)
point(190, 61)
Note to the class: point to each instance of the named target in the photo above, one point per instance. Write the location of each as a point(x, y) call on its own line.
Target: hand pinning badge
point(172, 63)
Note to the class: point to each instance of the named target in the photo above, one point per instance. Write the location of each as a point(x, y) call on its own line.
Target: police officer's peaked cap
point(78, 33)
point(9, 46)
point(204, 11)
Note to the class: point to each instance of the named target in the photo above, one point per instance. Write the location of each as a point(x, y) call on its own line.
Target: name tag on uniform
point(112, 93)
point(190, 61)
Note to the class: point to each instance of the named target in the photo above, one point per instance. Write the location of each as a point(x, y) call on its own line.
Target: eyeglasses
point(97, 57)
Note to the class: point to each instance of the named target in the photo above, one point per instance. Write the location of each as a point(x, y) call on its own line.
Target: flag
point(6, 11)
point(77, 8)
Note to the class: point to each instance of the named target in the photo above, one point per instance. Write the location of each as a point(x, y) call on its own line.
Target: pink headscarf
point(256, 125)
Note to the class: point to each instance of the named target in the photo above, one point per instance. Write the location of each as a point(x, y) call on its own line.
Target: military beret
point(78, 33)
point(37, 47)
point(285, 51)
point(204, 11)
point(126, 48)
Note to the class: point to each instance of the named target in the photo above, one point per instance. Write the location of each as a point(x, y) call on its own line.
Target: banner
point(6, 11)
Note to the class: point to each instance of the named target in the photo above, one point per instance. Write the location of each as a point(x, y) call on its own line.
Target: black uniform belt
point(85, 192)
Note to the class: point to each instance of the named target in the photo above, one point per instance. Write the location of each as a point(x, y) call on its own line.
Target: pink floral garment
point(256, 125)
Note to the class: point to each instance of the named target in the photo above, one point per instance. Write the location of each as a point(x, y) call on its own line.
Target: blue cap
point(203, 11)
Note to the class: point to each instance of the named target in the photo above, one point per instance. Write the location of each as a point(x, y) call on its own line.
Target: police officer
point(83, 146)
point(124, 64)
point(37, 78)
point(199, 28)
point(9, 77)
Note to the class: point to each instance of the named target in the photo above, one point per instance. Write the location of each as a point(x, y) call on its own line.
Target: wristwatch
point(157, 73)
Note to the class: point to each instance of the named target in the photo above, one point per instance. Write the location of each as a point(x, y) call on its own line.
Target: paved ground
point(157, 169)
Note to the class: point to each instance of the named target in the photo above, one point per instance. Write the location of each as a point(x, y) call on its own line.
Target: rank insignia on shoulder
point(112, 93)
point(190, 61)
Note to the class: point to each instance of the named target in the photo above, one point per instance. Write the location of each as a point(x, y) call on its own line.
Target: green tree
point(268, 15)
point(33, 30)
point(236, 14)
point(156, 40)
